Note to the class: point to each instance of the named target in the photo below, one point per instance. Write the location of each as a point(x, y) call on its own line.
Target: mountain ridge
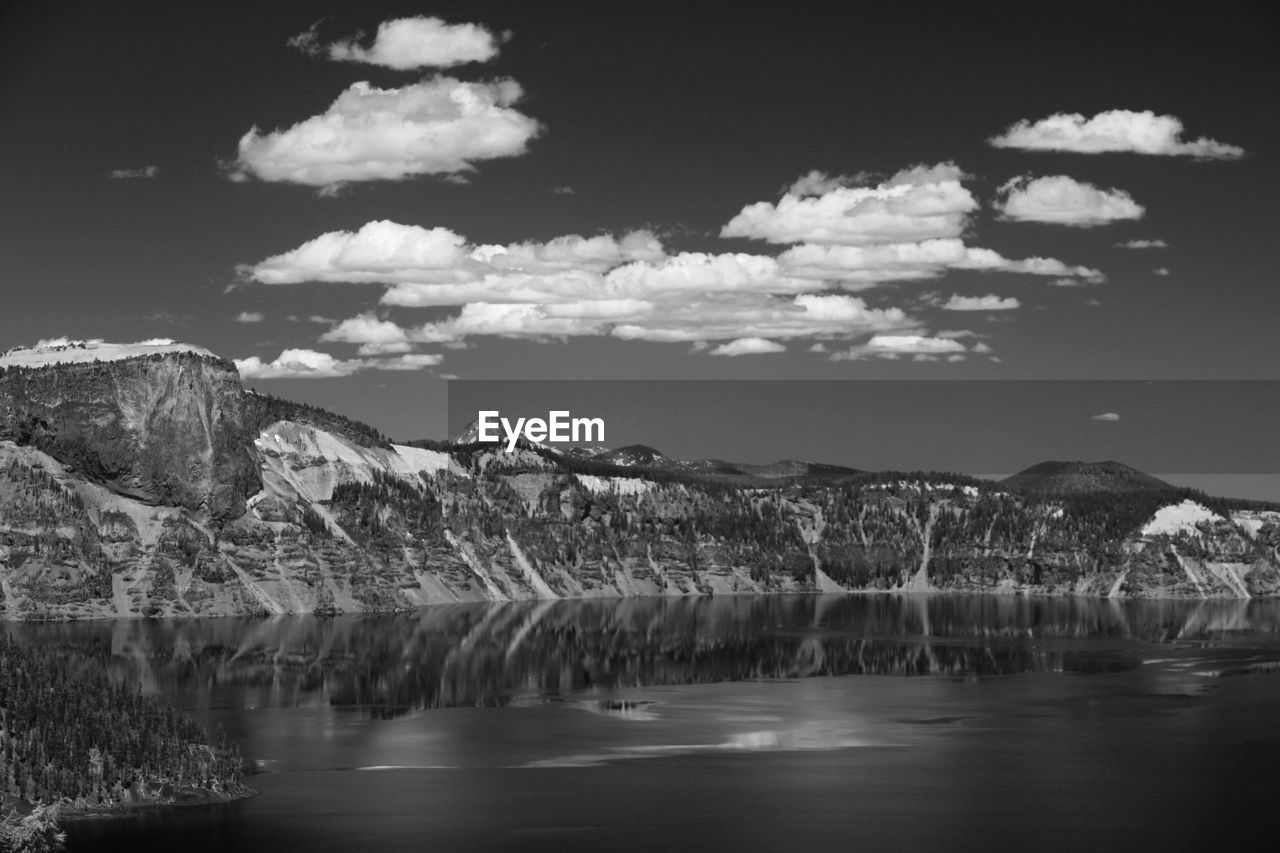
point(160, 486)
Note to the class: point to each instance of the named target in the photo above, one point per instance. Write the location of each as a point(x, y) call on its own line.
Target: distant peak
point(1074, 477)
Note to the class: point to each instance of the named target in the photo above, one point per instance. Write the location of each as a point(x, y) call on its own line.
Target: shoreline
point(1004, 592)
point(72, 813)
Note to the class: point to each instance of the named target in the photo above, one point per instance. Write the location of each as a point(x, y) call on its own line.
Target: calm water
point(754, 723)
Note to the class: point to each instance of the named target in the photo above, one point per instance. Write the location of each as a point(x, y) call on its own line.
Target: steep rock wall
point(165, 429)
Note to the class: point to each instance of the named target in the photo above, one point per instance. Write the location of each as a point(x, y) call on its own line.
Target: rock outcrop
point(166, 429)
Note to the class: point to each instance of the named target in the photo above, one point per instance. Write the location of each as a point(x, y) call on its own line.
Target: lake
point(869, 722)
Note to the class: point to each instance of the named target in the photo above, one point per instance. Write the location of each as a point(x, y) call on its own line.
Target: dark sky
point(668, 118)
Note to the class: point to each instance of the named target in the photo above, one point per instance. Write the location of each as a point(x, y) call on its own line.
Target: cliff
point(155, 486)
point(167, 428)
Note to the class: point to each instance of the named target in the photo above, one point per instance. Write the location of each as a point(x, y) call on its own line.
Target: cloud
point(408, 43)
point(682, 318)
point(1106, 416)
point(1113, 130)
point(134, 174)
point(748, 346)
point(1142, 244)
point(563, 190)
point(250, 317)
point(408, 361)
point(439, 126)
point(897, 346)
point(386, 252)
point(310, 364)
point(980, 303)
point(629, 287)
point(1161, 271)
point(873, 265)
point(296, 364)
point(375, 337)
point(1064, 201)
point(820, 183)
point(919, 203)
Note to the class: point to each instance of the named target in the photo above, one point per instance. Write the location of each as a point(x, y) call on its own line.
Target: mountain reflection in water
point(500, 653)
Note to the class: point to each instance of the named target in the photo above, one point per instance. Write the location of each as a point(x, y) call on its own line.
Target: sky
point(359, 201)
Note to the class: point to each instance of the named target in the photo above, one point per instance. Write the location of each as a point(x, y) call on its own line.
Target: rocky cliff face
point(138, 488)
point(167, 429)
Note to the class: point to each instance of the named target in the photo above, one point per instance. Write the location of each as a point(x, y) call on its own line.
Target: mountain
point(644, 457)
point(151, 483)
point(1073, 478)
point(790, 468)
point(634, 456)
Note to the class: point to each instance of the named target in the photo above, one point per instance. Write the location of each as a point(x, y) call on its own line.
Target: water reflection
point(496, 654)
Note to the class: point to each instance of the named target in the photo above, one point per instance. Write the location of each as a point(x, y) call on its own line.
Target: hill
point(1074, 478)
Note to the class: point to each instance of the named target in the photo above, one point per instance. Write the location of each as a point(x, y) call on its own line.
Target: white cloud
point(386, 252)
point(250, 317)
point(920, 203)
point(896, 346)
point(375, 337)
point(408, 43)
point(990, 302)
point(310, 364)
point(628, 287)
point(872, 265)
point(1062, 200)
point(563, 254)
point(296, 364)
point(748, 346)
point(1106, 416)
point(683, 318)
point(1113, 130)
point(436, 127)
point(1161, 271)
point(624, 286)
point(820, 183)
point(1142, 244)
point(134, 174)
point(409, 361)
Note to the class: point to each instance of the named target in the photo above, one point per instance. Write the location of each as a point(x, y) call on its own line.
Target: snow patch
point(1252, 521)
point(313, 460)
point(616, 485)
point(903, 485)
point(65, 351)
point(417, 459)
point(1180, 518)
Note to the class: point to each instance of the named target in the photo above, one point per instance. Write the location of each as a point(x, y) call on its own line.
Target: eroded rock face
point(165, 429)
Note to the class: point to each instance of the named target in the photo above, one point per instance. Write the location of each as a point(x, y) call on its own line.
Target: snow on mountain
point(634, 455)
point(615, 485)
point(903, 485)
point(1179, 518)
point(1252, 521)
point(66, 351)
point(312, 461)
